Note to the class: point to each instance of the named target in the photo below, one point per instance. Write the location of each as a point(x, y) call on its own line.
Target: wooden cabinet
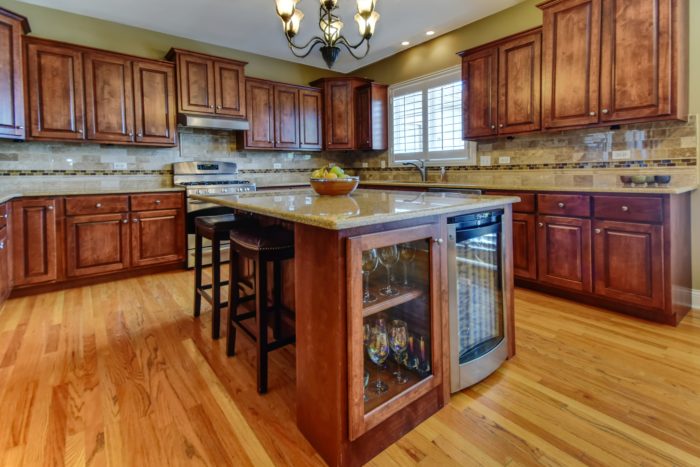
point(502, 82)
point(286, 116)
point(564, 252)
point(310, 119)
point(339, 114)
point(261, 134)
point(371, 101)
point(109, 100)
point(97, 244)
point(12, 27)
point(5, 284)
point(157, 237)
point(629, 262)
point(209, 85)
point(35, 241)
point(154, 103)
point(524, 245)
point(55, 88)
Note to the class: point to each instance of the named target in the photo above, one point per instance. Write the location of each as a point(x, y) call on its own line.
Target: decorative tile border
point(81, 173)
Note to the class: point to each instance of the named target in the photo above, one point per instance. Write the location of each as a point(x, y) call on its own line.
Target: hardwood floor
point(121, 374)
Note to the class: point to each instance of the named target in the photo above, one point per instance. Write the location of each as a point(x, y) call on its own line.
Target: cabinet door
point(363, 117)
point(571, 63)
point(564, 252)
point(230, 89)
point(260, 115)
point(55, 86)
point(310, 133)
point(97, 244)
point(637, 62)
point(480, 101)
point(339, 115)
point(524, 246)
point(286, 117)
point(196, 84)
point(157, 237)
point(109, 103)
point(403, 312)
point(34, 241)
point(519, 85)
point(11, 79)
point(154, 103)
point(4, 266)
point(629, 262)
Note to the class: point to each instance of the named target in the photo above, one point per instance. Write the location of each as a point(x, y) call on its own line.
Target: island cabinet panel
point(480, 84)
point(261, 134)
point(154, 103)
point(629, 262)
point(97, 244)
point(35, 241)
point(108, 97)
point(571, 63)
point(564, 252)
point(156, 237)
point(5, 282)
point(310, 119)
point(12, 123)
point(286, 117)
point(55, 87)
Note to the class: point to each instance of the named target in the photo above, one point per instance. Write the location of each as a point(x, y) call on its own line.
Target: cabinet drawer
point(633, 209)
point(79, 205)
point(527, 200)
point(156, 201)
point(3, 215)
point(564, 205)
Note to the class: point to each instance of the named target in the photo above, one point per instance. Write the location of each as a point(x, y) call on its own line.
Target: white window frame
point(462, 157)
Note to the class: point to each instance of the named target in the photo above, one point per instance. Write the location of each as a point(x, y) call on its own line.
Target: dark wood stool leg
point(233, 302)
point(277, 297)
point(197, 274)
point(216, 288)
point(261, 318)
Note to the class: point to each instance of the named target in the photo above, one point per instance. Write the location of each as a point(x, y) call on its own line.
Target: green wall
point(83, 30)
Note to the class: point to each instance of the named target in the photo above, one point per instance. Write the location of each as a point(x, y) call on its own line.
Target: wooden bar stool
point(262, 246)
point(216, 229)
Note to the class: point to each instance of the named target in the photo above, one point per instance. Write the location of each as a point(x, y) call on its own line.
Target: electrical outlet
point(382, 164)
point(276, 165)
point(120, 166)
point(485, 160)
point(504, 160)
point(620, 155)
point(290, 155)
point(365, 165)
point(306, 157)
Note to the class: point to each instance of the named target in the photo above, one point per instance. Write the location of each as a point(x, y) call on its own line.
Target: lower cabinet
point(564, 252)
point(5, 284)
point(524, 245)
point(35, 241)
point(97, 244)
point(157, 237)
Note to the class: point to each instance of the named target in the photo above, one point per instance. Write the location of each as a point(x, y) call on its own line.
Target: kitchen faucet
point(420, 165)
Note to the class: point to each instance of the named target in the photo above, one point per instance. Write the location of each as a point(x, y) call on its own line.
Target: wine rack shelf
point(384, 302)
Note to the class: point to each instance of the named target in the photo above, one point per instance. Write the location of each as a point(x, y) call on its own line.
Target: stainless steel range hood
point(197, 121)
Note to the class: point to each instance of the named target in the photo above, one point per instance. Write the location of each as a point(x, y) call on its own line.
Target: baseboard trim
point(695, 293)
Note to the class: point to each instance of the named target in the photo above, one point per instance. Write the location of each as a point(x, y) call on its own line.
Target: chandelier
point(330, 25)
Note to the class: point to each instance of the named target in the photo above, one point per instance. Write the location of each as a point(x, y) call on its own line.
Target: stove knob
point(224, 190)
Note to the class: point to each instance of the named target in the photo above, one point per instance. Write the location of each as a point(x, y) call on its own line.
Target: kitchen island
point(346, 297)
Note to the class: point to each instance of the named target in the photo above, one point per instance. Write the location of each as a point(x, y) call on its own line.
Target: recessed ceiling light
point(430, 33)
point(405, 43)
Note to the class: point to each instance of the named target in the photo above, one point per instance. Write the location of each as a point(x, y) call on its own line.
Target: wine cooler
point(478, 339)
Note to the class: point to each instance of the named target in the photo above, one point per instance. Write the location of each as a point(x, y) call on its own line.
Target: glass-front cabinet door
point(394, 322)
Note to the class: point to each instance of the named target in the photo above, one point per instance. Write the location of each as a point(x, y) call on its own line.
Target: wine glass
point(378, 351)
point(366, 382)
point(424, 363)
point(369, 265)
point(398, 341)
point(389, 256)
point(408, 254)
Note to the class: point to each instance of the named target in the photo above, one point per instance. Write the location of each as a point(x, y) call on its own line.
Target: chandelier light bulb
point(366, 25)
point(366, 7)
point(285, 8)
point(291, 27)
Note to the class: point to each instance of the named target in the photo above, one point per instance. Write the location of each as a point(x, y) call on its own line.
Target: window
point(426, 121)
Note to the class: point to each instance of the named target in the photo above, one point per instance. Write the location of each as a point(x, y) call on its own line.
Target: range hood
point(211, 123)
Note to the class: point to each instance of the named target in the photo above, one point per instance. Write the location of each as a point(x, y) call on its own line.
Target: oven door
point(196, 208)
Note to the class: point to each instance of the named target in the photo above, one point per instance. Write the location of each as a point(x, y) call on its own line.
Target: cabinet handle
point(540, 225)
point(131, 133)
point(211, 106)
point(604, 111)
point(597, 231)
point(98, 205)
point(439, 241)
point(50, 208)
point(20, 127)
point(625, 208)
point(4, 216)
point(140, 135)
point(592, 114)
point(80, 131)
point(218, 107)
point(561, 205)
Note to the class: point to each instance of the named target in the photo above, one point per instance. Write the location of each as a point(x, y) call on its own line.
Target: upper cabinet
point(310, 118)
point(343, 121)
point(501, 83)
point(12, 27)
point(80, 94)
point(608, 61)
point(209, 85)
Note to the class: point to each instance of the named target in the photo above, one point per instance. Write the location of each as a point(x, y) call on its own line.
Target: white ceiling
point(253, 26)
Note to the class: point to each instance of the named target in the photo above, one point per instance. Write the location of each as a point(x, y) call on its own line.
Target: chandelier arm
point(312, 43)
point(350, 48)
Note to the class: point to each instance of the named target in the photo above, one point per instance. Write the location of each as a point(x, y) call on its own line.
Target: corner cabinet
point(394, 323)
point(12, 28)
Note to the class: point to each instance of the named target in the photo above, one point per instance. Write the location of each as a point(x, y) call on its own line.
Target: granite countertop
point(362, 208)
point(672, 190)
point(45, 191)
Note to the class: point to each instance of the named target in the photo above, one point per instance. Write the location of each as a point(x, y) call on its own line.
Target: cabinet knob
point(218, 107)
point(561, 205)
point(540, 224)
point(135, 221)
point(597, 231)
point(2, 245)
point(125, 221)
point(500, 126)
point(439, 241)
point(604, 111)
point(140, 135)
point(4, 216)
point(211, 106)
point(625, 208)
point(80, 131)
point(98, 205)
point(50, 208)
point(592, 114)
point(157, 201)
point(493, 127)
point(131, 133)
point(20, 127)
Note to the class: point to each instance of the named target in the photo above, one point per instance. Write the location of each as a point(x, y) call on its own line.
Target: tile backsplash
point(590, 157)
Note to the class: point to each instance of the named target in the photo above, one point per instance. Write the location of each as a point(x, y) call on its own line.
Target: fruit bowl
point(334, 186)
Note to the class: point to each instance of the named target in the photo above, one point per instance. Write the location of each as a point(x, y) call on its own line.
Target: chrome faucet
point(420, 165)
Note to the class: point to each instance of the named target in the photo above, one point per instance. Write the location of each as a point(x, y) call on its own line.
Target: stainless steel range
point(212, 179)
